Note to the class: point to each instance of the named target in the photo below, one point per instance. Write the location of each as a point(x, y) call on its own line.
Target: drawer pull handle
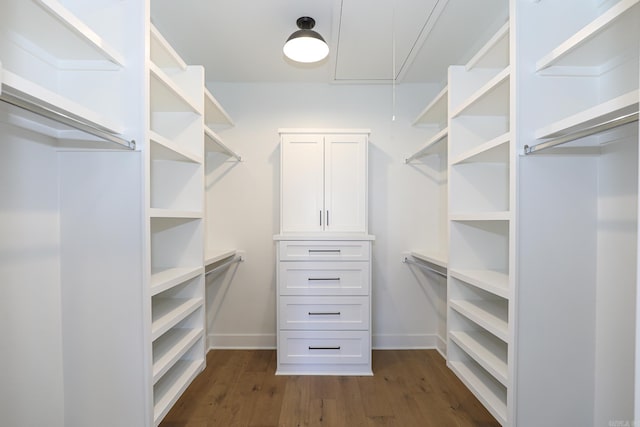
point(324, 348)
point(334, 279)
point(324, 313)
point(313, 251)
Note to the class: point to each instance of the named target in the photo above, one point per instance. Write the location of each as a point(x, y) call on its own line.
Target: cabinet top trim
point(323, 131)
point(323, 236)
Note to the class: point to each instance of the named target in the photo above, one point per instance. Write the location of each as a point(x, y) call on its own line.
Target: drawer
point(324, 347)
point(305, 250)
point(324, 313)
point(323, 278)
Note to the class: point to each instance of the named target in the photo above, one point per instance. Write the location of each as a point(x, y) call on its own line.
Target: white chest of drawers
point(324, 307)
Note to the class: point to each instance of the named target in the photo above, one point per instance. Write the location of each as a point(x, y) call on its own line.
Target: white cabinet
point(324, 314)
point(323, 181)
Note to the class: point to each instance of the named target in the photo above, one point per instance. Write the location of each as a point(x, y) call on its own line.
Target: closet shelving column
point(175, 219)
point(434, 117)
point(583, 253)
point(481, 224)
point(215, 116)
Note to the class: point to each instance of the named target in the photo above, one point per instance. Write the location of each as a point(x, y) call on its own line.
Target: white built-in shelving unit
point(482, 225)
point(578, 212)
point(176, 222)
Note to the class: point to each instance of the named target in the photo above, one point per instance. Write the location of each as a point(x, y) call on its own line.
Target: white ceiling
point(241, 40)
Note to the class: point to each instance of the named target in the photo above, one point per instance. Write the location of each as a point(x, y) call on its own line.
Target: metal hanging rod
point(225, 264)
point(406, 260)
point(61, 118)
point(591, 130)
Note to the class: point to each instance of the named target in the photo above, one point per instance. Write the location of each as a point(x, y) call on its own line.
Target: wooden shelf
point(439, 260)
point(163, 148)
point(171, 386)
point(436, 112)
point(492, 395)
point(170, 348)
point(167, 278)
point(162, 53)
point(600, 45)
point(496, 150)
point(167, 96)
point(625, 104)
point(486, 350)
point(495, 53)
point(492, 99)
point(215, 256)
point(55, 33)
point(31, 92)
point(214, 114)
point(495, 282)
point(214, 143)
point(433, 145)
point(171, 213)
point(481, 216)
point(167, 312)
point(491, 315)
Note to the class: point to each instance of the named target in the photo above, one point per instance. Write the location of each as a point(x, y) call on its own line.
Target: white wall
point(31, 380)
point(243, 206)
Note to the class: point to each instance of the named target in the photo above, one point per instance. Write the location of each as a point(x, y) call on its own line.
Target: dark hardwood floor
point(409, 388)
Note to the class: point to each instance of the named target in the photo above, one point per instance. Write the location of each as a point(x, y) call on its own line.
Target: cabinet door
point(302, 207)
point(345, 173)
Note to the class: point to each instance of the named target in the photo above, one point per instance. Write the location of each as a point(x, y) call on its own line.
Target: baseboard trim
point(405, 342)
point(241, 341)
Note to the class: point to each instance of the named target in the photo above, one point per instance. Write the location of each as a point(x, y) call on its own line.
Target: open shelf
point(171, 386)
point(495, 150)
point(163, 148)
point(486, 350)
point(488, 391)
point(436, 112)
point(492, 99)
point(167, 312)
point(600, 45)
point(54, 32)
point(166, 95)
point(214, 143)
point(163, 54)
point(439, 260)
point(215, 256)
point(495, 282)
point(34, 93)
point(166, 278)
point(495, 53)
point(491, 315)
point(171, 346)
point(214, 114)
point(622, 105)
point(433, 145)
point(480, 216)
point(173, 213)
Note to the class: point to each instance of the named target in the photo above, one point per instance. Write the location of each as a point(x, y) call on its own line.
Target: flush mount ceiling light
point(305, 45)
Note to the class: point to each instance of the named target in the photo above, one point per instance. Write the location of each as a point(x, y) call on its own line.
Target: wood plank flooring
point(409, 388)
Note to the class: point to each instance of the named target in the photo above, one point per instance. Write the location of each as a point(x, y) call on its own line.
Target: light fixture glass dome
point(305, 45)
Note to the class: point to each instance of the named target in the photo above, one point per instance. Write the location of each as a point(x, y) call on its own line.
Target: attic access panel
point(364, 35)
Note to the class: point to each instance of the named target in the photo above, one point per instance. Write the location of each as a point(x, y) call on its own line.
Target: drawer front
point(323, 278)
point(324, 347)
point(324, 313)
point(324, 250)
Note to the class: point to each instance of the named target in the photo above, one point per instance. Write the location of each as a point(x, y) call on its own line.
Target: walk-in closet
point(434, 222)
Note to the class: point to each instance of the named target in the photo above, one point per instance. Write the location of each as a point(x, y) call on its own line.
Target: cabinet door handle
point(320, 218)
point(324, 313)
point(313, 251)
point(327, 217)
point(324, 348)
point(333, 279)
